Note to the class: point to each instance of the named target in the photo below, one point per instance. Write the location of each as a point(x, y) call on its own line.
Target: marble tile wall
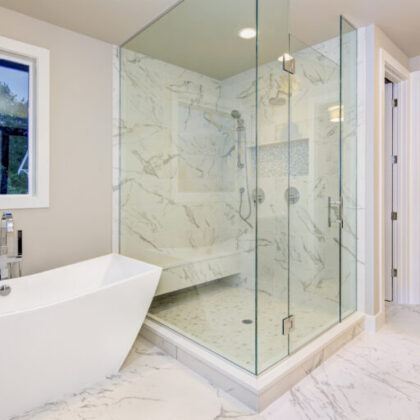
point(314, 164)
point(179, 176)
point(180, 182)
point(349, 145)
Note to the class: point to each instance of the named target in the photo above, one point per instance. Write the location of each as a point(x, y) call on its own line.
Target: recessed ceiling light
point(247, 33)
point(286, 56)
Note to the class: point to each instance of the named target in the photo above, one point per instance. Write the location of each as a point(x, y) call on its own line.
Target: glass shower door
point(188, 171)
point(271, 157)
point(314, 206)
point(348, 62)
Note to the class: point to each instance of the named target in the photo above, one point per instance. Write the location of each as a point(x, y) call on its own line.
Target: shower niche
point(228, 165)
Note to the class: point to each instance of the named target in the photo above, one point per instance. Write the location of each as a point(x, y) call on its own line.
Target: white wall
point(375, 40)
point(78, 223)
point(414, 63)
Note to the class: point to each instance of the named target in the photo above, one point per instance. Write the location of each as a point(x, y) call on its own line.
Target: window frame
point(38, 60)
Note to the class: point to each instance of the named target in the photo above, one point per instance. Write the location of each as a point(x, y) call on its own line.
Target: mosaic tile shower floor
point(222, 318)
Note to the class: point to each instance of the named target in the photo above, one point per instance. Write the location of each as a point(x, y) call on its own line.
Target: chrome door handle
point(338, 210)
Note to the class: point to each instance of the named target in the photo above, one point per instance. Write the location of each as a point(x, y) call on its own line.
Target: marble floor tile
point(376, 376)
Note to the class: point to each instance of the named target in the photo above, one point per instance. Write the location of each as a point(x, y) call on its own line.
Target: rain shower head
point(279, 99)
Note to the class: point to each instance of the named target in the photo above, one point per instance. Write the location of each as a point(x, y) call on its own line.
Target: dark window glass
point(14, 127)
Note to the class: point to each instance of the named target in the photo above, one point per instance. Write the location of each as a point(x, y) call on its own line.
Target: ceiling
point(195, 35)
point(112, 21)
point(312, 21)
point(315, 20)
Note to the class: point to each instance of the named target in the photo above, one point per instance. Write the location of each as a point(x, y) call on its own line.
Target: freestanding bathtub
point(68, 328)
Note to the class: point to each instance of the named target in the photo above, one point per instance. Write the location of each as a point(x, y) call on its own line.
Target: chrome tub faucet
point(7, 261)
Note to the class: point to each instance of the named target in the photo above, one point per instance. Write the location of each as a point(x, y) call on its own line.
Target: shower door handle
point(337, 206)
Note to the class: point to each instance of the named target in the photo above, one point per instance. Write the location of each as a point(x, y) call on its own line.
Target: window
point(24, 125)
point(14, 127)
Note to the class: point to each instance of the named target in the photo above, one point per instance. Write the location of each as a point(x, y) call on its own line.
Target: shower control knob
point(258, 195)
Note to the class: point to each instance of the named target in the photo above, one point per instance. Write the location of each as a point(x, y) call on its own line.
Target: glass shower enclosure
point(238, 176)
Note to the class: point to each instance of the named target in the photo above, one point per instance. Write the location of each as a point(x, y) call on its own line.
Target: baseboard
point(374, 322)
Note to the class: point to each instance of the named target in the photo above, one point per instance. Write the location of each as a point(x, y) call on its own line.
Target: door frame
point(391, 188)
point(391, 69)
point(414, 188)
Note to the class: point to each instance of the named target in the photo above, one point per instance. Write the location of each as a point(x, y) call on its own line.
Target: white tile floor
point(373, 377)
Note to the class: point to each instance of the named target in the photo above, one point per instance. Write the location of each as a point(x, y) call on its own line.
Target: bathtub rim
point(150, 268)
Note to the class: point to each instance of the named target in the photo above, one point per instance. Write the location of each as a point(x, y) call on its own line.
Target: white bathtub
point(67, 328)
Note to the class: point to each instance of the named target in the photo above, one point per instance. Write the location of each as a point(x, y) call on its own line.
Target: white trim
point(39, 186)
point(389, 67)
point(414, 192)
point(116, 149)
point(255, 391)
point(373, 323)
point(367, 125)
point(361, 170)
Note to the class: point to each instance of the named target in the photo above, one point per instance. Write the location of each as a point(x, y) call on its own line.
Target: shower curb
point(257, 392)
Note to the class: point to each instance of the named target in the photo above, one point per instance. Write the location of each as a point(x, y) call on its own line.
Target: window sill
point(10, 202)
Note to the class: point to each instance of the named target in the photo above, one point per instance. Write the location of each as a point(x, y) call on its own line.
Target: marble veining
point(375, 377)
point(181, 183)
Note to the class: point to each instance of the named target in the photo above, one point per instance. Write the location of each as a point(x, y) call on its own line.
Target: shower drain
point(247, 321)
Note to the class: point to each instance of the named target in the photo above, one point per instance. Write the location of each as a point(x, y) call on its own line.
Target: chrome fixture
point(241, 200)
point(7, 262)
point(7, 226)
point(5, 290)
point(337, 206)
point(258, 196)
point(289, 324)
point(240, 128)
point(289, 63)
point(292, 195)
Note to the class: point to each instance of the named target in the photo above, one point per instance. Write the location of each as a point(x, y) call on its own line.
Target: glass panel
point(272, 157)
point(349, 167)
point(188, 110)
point(14, 105)
point(203, 157)
point(314, 167)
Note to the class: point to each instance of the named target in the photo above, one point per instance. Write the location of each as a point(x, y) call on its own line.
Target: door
point(315, 204)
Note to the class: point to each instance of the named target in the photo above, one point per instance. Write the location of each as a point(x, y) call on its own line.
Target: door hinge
point(394, 272)
point(288, 324)
point(289, 63)
point(394, 215)
point(395, 102)
point(336, 207)
point(394, 159)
